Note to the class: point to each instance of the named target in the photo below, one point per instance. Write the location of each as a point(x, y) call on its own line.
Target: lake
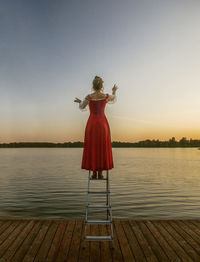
point(146, 183)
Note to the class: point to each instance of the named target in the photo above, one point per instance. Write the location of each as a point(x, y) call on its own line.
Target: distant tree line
point(183, 142)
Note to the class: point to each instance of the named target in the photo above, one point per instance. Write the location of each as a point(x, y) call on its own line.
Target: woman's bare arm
point(82, 104)
point(112, 98)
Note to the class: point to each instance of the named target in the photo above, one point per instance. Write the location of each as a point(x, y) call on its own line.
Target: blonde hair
point(97, 83)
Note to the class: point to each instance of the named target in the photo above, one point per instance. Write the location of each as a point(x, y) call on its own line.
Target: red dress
point(97, 152)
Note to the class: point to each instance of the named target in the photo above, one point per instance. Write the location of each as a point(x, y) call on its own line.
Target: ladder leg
point(109, 201)
point(87, 201)
point(107, 190)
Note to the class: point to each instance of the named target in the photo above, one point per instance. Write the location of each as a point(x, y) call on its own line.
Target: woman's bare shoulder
point(88, 97)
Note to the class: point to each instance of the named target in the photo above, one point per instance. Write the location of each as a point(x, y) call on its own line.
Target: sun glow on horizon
point(49, 57)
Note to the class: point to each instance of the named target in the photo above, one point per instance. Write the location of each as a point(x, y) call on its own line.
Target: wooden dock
point(135, 240)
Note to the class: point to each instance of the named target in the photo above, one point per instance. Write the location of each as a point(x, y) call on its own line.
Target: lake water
point(146, 183)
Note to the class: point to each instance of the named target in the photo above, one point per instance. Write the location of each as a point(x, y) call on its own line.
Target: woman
point(97, 153)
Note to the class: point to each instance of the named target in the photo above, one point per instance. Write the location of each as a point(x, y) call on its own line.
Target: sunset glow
point(51, 50)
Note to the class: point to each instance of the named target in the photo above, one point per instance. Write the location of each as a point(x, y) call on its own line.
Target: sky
point(50, 51)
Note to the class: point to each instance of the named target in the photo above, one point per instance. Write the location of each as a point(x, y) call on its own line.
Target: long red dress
point(97, 152)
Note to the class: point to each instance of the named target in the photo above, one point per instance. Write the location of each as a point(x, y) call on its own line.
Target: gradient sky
point(51, 50)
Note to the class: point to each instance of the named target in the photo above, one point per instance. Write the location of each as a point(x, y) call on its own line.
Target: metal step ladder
point(106, 207)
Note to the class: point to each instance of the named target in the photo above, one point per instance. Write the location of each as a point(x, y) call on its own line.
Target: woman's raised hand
point(114, 89)
point(77, 100)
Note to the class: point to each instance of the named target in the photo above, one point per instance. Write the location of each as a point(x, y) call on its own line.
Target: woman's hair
point(97, 83)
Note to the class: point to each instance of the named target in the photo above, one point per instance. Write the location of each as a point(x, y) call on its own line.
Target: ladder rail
point(110, 205)
point(87, 200)
point(108, 189)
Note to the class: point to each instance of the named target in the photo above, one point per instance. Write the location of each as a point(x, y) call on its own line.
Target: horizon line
point(111, 141)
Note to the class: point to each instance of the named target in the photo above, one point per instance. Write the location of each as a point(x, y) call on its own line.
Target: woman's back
point(97, 105)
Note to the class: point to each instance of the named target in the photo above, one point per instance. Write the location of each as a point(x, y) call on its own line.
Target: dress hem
point(96, 169)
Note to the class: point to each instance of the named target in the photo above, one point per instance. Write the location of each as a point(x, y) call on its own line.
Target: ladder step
point(102, 222)
point(99, 207)
point(98, 192)
point(99, 238)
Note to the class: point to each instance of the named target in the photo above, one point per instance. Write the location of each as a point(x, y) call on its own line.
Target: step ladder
point(104, 207)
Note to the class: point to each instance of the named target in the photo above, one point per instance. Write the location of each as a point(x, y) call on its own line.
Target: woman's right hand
point(77, 100)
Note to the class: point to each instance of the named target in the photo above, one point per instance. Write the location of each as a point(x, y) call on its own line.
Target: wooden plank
point(12, 235)
point(66, 241)
point(116, 252)
point(19, 255)
point(197, 222)
point(95, 245)
point(84, 254)
point(162, 241)
point(4, 226)
point(6, 229)
point(155, 247)
point(171, 241)
point(46, 243)
point(133, 242)
point(123, 242)
point(2, 222)
point(189, 244)
point(32, 252)
point(180, 240)
point(16, 244)
point(149, 254)
point(104, 246)
point(53, 251)
point(197, 225)
point(191, 229)
point(73, 253)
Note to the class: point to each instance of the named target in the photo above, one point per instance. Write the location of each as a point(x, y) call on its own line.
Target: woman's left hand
point(114, 89)
point(77, 100)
